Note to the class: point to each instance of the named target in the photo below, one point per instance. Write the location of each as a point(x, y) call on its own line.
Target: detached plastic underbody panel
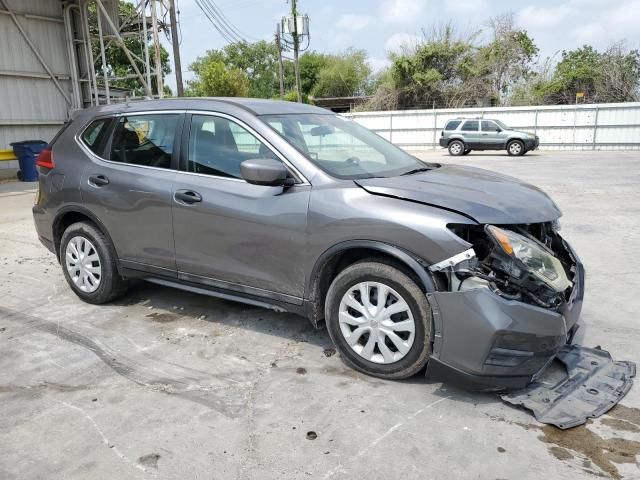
point(579, 384)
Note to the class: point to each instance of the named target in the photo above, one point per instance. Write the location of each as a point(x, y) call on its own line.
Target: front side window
point(342, 147)
point(470, 126)
point(489, 126)
point(217, 146)
point(94, 134)
point(144, 140)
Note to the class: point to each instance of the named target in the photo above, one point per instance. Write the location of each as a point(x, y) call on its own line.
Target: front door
point(229, 233)
point(492, 136)
point(129, 188)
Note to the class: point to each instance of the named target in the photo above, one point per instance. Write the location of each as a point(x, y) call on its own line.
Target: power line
point(212, 18)
point(220, 22)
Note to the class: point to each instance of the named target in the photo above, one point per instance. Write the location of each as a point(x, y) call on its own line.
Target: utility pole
point(147, 66)
point(156, 46)
point(280, 67)
point(176, 47)
point(296, 48)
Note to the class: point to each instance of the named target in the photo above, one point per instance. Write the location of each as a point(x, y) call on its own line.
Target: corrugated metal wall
point(609, 126)
point(31, 106)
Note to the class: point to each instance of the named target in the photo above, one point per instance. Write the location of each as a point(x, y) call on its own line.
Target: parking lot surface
point(167, 384)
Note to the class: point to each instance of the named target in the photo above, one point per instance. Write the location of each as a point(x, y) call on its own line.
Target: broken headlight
point(530, 256)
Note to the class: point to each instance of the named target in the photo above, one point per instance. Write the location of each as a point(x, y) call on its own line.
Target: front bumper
point(483, 341)
point(531, 143)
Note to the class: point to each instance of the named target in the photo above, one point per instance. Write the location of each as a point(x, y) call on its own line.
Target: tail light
point(45, 159)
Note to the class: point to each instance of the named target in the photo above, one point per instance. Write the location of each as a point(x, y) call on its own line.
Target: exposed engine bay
point(529, 263)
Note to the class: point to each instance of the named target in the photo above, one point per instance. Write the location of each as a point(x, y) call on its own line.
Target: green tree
point(441, 70)
point(257, 61)
point(215, 79)
point(343, 75)
point(609, 76)
point(311, 64)
point(118, 64)
point(507, 59)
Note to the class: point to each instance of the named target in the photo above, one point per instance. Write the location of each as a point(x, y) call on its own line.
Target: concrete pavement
point(170, 385)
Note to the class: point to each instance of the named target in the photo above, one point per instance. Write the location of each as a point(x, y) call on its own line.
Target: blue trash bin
point(27, 151)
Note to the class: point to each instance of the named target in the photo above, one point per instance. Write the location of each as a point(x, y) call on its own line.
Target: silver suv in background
point(462, 135)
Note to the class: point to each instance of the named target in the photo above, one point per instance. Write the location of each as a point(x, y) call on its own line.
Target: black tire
point(456, 148)
point(111, 284)
point(515, 148)
point(417, 356)
point(466, 152)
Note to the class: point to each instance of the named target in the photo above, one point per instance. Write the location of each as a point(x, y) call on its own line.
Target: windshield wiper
point(416, 170)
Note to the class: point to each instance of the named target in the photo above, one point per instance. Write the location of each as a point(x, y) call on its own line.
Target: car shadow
point(168, 304)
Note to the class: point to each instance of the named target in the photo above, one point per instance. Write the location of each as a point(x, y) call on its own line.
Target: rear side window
point(470, 126)
point(144, 140)
point(452, 125)
point(94, 134)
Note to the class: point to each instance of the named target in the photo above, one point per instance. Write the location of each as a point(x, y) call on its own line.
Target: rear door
point(127, 186)
point(471, 133)
point(229, 233)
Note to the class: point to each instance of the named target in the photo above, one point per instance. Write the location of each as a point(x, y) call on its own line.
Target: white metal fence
point(606, 126)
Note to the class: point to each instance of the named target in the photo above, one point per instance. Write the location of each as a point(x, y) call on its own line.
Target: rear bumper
point(443, 142)
point(485, 342)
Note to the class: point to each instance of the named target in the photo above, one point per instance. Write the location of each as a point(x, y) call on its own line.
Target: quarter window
point(217, 146)
point(452, 125)
point(94, 134)
point(470, 126)
point(144, 140)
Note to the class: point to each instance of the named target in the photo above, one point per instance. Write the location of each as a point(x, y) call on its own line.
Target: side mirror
point(265, 171)
point(498, 129)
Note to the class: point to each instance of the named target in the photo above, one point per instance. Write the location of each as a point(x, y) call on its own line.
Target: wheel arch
point(74, 213)
point(340, 256)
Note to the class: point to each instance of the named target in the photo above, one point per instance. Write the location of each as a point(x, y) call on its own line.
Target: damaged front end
point(505, 316)
point(505, 306)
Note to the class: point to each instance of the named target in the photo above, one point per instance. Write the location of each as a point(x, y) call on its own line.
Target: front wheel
point(379, 320)
point(515, 148)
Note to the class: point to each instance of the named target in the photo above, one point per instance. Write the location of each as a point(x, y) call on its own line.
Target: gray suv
point(290, 207)
point(462, 135)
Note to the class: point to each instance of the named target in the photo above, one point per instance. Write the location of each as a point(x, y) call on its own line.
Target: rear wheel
point(515, 148)
point(456, 148)
point(89, 265)
point(379, 320)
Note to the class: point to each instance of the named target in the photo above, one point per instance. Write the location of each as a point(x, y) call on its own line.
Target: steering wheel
point(352, 161)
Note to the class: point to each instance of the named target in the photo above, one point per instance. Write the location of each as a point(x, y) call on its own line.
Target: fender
point(405, 257)
point(74, 208)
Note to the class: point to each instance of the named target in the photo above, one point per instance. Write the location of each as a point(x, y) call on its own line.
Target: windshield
point(501, 125)
point(342, 147)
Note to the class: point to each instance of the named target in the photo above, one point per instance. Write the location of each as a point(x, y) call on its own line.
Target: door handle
point(98, 180)
point(187, 196)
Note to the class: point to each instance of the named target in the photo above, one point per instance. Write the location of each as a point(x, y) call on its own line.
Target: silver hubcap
point(376, 322)
point(515, 148)
point(456, 148)
point(83, 264)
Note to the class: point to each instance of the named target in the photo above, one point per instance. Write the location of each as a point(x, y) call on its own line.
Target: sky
point(380, 26)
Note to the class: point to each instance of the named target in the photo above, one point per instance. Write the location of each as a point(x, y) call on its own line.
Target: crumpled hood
point(485, 196)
